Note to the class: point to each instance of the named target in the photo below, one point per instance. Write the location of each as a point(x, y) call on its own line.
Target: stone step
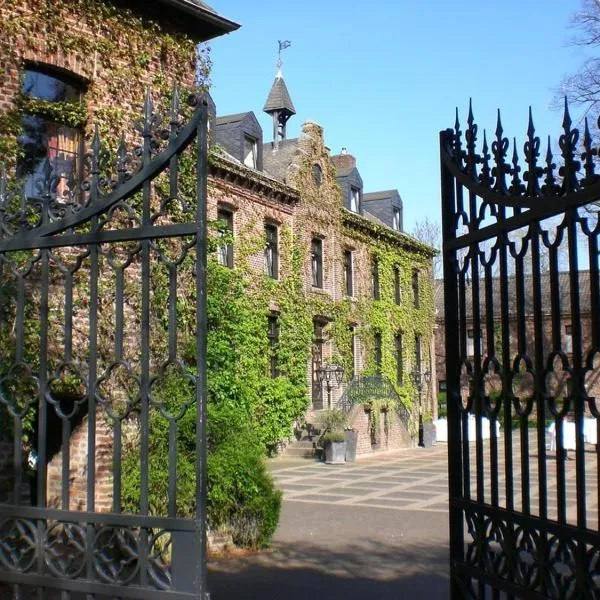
point(300, 448)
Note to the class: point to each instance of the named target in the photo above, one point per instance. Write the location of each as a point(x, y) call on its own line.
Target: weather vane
point(282, 46)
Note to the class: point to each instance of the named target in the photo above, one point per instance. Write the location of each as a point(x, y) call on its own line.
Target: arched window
point(51, 131)
point(317, 174)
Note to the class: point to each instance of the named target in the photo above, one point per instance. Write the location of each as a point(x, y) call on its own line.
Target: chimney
point(344, 161)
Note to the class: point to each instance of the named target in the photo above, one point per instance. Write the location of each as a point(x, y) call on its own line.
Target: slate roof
point(373, 218)
point(382, 195)
point(279, 97)
point(227, 119)
point(564, 294)
point(276, 163)
point(201, 19)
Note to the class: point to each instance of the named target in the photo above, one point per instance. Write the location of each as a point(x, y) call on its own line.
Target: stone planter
point(335, 453)
point(429, 437)
point(351, 443)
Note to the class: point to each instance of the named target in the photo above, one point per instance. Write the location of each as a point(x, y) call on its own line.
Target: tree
point(583, 86)
point(430, 233)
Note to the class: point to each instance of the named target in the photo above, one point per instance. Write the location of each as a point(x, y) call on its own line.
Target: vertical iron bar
point(491, 353)
point(172, 467)
point(68, 315)
point(201, 340)
point(119, 285)
point(41, 484)
point(91, 413)
point(117, 476)
point(464, 415)
point(578, 394)
point(66, 463)
point(523, 417)
point(145, 375)
point(451, 310)
point(172, 312)
point(594, 279)
point(506, 366)
point(561, 453)
point(540, 396)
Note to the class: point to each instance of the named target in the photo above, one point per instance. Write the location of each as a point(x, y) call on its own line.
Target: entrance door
point(317, 363)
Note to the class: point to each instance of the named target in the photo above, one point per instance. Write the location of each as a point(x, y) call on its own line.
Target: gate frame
point(188, 565)
point(536, 195)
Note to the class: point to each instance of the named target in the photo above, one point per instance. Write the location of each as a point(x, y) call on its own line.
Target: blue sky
point(384, 77)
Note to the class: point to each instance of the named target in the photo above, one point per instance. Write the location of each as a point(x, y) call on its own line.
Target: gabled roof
point(279, 97)
point(276, 163)
point(201, 19)
point(228, 119)
point(381, 195)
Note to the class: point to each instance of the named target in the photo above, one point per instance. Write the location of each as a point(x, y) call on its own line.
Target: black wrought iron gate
point(522, 325)
point(94, 338)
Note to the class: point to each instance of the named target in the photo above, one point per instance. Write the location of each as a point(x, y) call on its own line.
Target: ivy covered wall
point(117, 49)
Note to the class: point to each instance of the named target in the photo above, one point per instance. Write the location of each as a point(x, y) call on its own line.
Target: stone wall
point(390, 433)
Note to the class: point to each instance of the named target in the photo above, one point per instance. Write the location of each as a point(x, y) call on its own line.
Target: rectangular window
point(375, 278)
point(415, 287)
point(377, 351)
point(352, 330)
point(225, 251)
point(317, 262)
point(396, 219)
point(273, 335)
point(348, 274)
point(397, 289)
point(250, 152)
point(470, 343)
point(271, 251)
point(50, 149)
point(354, 199)
point(418, 362)
point(568, 339)
point(399, 361)
point(442, 386)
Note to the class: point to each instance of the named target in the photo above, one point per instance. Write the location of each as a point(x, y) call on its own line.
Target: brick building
point(298, 184)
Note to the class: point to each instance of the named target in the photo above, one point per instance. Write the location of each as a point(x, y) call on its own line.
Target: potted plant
point(333, 422)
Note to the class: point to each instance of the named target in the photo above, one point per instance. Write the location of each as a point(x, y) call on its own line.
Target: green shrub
point(333, 436)
point(241, 493)
point(333, 420)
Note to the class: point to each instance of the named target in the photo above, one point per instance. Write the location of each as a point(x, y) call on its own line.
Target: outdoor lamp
point(330, 374)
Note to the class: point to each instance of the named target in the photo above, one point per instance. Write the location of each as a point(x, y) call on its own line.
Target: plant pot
point(351, 442)
point(335, 453)
point(429, 436)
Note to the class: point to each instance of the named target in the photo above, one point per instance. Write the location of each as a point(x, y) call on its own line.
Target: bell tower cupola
point(279, 103)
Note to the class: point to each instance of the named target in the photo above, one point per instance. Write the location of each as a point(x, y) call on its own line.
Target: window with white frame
point(271, 251)
point(354, 199)
point(225, 227)
point(250, 152)
point(568, 339)
point(396, 219)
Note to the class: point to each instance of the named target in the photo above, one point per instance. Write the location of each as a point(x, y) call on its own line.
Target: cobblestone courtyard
point(373, 529)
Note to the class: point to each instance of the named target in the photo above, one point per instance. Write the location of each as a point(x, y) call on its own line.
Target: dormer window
point(396, 219)
point(250, 152)
point(50, 142)
point(354, 199)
